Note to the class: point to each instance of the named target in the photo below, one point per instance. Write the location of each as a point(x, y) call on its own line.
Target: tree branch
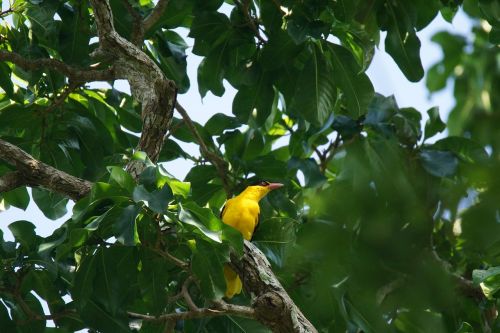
point(75, 74)
point(148, 84)
point(11, 181)
point(219, 309)
point(155, 15)
point(273, 307)
point(219, 164)
point(38, 173)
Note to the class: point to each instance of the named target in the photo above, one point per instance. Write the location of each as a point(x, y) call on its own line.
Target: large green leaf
point(254, 101)
point(439, 163)
point(18, 197)
point(125, 227)
point(207, 264)
point(315, 97)
point(434, 124)
point(203, 219)
point(45, 28)
point(24, 233)
point(75, 36)
point(356, 86)
point(5, 81)
point(53, 205)
point(402, 43)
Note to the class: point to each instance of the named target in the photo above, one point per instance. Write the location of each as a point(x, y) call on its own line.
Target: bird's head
point(261, 189)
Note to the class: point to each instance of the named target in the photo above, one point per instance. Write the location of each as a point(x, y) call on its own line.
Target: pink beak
point(273, 186)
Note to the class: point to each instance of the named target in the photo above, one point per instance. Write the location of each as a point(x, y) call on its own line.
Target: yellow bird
point(242, 213)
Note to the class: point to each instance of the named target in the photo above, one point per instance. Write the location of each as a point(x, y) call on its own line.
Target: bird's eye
point(264, 183)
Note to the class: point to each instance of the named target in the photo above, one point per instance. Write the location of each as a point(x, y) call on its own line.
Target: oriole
point(242, 213)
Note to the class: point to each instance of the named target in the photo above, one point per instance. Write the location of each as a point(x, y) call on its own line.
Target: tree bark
point(273, 307)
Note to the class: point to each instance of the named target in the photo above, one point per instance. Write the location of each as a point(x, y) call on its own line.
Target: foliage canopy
point(391, 230)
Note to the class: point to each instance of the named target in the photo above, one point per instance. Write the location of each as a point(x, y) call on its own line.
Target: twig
point(175, 260)
point(75, 74)
point(219, 309)
point(219, 164)
point(185, 293)
point(245, 8)
point(37, 172)
point(155, 15)
point(60, 99)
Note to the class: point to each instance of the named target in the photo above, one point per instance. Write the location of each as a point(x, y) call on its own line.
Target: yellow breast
point(242, 214)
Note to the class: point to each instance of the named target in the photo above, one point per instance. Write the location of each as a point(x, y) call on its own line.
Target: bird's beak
point(273, 186)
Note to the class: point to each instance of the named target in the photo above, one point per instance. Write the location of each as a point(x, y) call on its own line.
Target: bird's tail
point(233, 282)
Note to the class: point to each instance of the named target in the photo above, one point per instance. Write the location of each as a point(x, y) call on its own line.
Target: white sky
point(384, 73)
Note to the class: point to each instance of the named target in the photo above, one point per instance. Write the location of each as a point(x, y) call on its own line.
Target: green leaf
point(403, 45)
point(122, 19)
point(169, 50)
point(125, 227)
point(312, 174)
point(121, 178)
point(434, 124)
point(407, 125)
point(356, 86)
point(53, 205)
point(5, 322)
point(177, 13)
point(466, 149)
point(74, 38)
point(24, 233)
point(203, 219)
point(315, 97)
point(5, 80)
point(209, 30)
point(103, 283)
point(45, 28)
point(207, 265)
point(254, 101)
point(211, 74)
point(439, 163)
point(18, 197)
point(220, 122)
point(275, 237)
point(157, 200)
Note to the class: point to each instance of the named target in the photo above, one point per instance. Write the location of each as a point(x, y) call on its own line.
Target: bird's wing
point(257, 223)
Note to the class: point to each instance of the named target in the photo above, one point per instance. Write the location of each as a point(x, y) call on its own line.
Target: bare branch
point(75, 74)
point(155, 15)
point(39, 173)
point(219, 309)
point(273, 307)
point(219, 163)
point(185, 293)
point(175, 260)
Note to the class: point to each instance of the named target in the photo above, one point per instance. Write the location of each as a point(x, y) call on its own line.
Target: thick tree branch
point(219, 163)
point(11, 181)
point(149, 86)
point(155, 15)
point(39, 173)
point(75, 74)
point(273, 307)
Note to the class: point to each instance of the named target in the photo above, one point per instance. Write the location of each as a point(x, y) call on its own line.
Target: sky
point(383, 72)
